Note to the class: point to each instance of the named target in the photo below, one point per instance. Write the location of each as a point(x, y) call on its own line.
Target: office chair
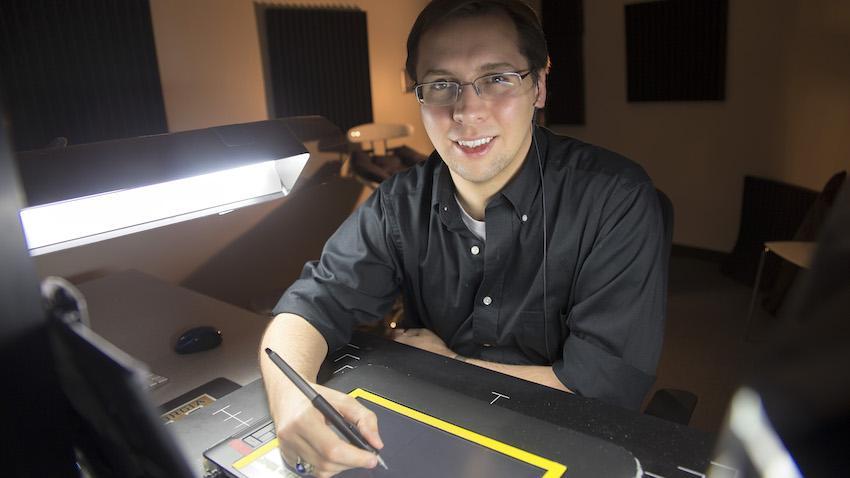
point(669, 403)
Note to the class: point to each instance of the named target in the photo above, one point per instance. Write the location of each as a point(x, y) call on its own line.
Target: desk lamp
point(86, 193)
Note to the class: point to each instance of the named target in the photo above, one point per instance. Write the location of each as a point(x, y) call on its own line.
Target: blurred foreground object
point(792, 417)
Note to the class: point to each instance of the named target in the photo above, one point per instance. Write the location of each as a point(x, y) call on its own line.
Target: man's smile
point(474, 145)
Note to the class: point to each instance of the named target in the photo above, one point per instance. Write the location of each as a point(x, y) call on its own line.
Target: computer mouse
point(198, 339)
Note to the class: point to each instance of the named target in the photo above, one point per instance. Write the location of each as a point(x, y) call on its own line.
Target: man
point(516, 250)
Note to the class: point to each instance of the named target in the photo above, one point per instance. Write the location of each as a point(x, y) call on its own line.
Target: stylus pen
point(346, 429)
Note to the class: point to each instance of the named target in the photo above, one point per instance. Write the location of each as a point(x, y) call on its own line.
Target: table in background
point(144, 316)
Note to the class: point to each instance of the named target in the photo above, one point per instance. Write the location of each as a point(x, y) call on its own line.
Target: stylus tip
point(381, 462)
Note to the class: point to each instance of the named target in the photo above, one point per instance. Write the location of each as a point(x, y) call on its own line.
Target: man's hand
point(305, 436)
point(423, 339)
point(301, 429)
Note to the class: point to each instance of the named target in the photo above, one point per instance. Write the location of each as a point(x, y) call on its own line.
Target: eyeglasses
point(488, 87)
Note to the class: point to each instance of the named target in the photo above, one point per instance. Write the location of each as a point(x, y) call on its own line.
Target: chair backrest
point(667, 217)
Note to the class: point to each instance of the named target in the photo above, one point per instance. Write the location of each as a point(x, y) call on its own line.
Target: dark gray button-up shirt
point(599, 324)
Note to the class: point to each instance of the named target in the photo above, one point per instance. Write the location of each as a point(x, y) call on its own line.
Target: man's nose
point(469, 106)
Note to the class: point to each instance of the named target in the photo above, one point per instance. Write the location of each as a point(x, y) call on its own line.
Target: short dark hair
point(532, 41)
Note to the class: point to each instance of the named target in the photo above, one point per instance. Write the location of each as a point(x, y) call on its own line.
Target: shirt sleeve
point(354, 282)
point(616, 322)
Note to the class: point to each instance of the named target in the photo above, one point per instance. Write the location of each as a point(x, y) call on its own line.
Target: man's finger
point(364, 419)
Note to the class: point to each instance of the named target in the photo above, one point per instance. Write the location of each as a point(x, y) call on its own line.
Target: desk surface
point(663, 448)
point(143, 316)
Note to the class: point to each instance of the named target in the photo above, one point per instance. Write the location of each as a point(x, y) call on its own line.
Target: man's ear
point(540, 101)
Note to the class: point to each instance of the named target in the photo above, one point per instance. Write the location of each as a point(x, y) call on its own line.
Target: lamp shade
point(90, 192)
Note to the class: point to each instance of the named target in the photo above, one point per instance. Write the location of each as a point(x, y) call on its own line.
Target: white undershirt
point(478, 228)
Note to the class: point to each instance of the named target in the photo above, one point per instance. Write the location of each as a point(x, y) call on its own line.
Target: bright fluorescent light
point(93, 218)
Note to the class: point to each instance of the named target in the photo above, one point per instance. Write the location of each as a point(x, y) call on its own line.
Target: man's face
point(482, 141)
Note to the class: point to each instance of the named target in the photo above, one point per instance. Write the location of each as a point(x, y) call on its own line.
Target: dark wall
point(85, 70)
point(563, 23)
point(318, 62)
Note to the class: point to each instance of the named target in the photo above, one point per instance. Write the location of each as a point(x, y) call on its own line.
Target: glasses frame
point(417, 88)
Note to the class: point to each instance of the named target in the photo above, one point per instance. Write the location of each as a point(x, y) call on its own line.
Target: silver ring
point(303, 468)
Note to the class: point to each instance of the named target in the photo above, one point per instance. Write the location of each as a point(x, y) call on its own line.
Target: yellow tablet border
point(552, 469)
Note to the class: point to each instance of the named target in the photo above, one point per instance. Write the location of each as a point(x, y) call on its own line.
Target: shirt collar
point(520, 190)
point(442, 196)
point(442, 187)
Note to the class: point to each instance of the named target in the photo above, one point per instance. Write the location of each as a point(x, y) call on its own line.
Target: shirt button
point(524, 217)
point(475, 250)
point(487, 300)
point(445, 208)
